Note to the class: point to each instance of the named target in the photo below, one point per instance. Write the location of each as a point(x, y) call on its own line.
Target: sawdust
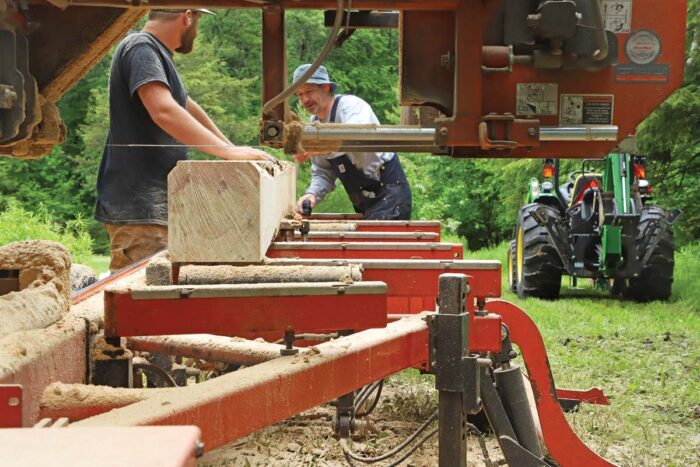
point(101, 350)
point(70, 399)
point(209, 347)
point(44, 281)
point(203, 275)
point(40, 262)
point(333, 226)
point(292, 138)
point(22, 348)
point(34, 308)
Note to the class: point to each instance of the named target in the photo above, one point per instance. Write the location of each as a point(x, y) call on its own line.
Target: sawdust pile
point(207, 275)
point(44, 281)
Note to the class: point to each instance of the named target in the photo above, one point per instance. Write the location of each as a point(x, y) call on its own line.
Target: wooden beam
point(227, 211)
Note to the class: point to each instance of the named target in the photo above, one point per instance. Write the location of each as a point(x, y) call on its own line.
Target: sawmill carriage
point(508, 78)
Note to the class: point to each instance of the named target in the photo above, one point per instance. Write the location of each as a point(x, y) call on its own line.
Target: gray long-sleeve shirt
point(350, 109)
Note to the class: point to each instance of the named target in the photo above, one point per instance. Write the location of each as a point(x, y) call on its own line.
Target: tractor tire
point(538, 266)
point(655, 280)
point(512, 272)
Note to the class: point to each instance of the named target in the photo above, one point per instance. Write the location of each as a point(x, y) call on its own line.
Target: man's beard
point(187, 40)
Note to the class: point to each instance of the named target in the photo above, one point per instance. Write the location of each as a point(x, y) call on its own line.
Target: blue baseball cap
point(320, 76)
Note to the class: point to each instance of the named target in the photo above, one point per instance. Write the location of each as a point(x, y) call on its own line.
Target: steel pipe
point(582, 133)
point(342, 132)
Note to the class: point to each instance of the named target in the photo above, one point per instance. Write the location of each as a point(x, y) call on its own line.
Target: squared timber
point(227, 211)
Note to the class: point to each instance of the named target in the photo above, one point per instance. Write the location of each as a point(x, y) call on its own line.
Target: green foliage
point(671, 137)
point(477, 200)
point(17, 224)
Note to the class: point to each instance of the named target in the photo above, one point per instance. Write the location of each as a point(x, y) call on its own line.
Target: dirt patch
point(44, 282)
point(307, 439)
point(203, 275)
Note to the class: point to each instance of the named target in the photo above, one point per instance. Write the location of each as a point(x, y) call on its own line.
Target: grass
point(646, 357)
point(98, 263)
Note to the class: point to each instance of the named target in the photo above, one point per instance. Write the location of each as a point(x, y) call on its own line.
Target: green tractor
point(595, 225)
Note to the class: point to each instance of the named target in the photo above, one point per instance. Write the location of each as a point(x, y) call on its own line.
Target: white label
point(586, 109)
point(536, 99)
point(617, 15)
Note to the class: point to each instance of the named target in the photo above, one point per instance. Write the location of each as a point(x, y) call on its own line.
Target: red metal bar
point(591, 396)
point(239, 403)
point(332, 250)
point(10, 406)
point(367, 236)
point(415, 290)
point(98, 287)
point(565, 447)
point(198, 309)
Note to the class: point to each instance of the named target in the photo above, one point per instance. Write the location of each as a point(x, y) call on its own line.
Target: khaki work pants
point(129, 243)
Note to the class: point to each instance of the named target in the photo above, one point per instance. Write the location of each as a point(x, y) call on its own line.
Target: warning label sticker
point(586, 109)
point(617, 15)
point(536, 99)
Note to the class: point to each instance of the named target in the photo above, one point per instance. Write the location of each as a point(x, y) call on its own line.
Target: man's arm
point(201, 116)
point(181, 125)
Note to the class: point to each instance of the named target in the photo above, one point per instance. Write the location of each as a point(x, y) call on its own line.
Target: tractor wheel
point(654, 282)
point(538, 266)
point(512, 276)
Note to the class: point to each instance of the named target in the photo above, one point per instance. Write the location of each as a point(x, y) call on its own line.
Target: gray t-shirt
point(132, 181)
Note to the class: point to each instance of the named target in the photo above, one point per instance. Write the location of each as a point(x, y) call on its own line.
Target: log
point(209, 347)
point(208, 275)
point(227, 211)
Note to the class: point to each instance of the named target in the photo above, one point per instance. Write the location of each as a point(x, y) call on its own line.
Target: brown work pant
point(129, 243)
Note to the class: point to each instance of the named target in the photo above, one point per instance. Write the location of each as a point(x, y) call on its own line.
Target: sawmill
point(299, 311)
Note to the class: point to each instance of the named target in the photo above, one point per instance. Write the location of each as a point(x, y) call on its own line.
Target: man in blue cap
point(153, 120)
point(374, 181)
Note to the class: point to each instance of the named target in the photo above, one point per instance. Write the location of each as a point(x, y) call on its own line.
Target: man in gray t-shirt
point(374, 181)
point(152, 121)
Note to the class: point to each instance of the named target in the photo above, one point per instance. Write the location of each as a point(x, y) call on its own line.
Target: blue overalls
point(392, 198)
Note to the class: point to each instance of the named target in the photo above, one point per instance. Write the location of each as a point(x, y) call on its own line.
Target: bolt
point(444, 131)
point(272, 132)
point(13, 401)
point(531, 131)
point(199, 449)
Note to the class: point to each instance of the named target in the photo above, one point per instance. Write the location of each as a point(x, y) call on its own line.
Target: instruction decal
point(536, 99)
point(586, 109)
point(617, 15)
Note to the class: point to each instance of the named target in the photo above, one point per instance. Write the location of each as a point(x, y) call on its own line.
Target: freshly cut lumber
point(227, 211)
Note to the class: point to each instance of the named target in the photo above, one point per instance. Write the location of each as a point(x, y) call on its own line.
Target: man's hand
point(246, 153)
point(310, 197)
point(304, 156)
